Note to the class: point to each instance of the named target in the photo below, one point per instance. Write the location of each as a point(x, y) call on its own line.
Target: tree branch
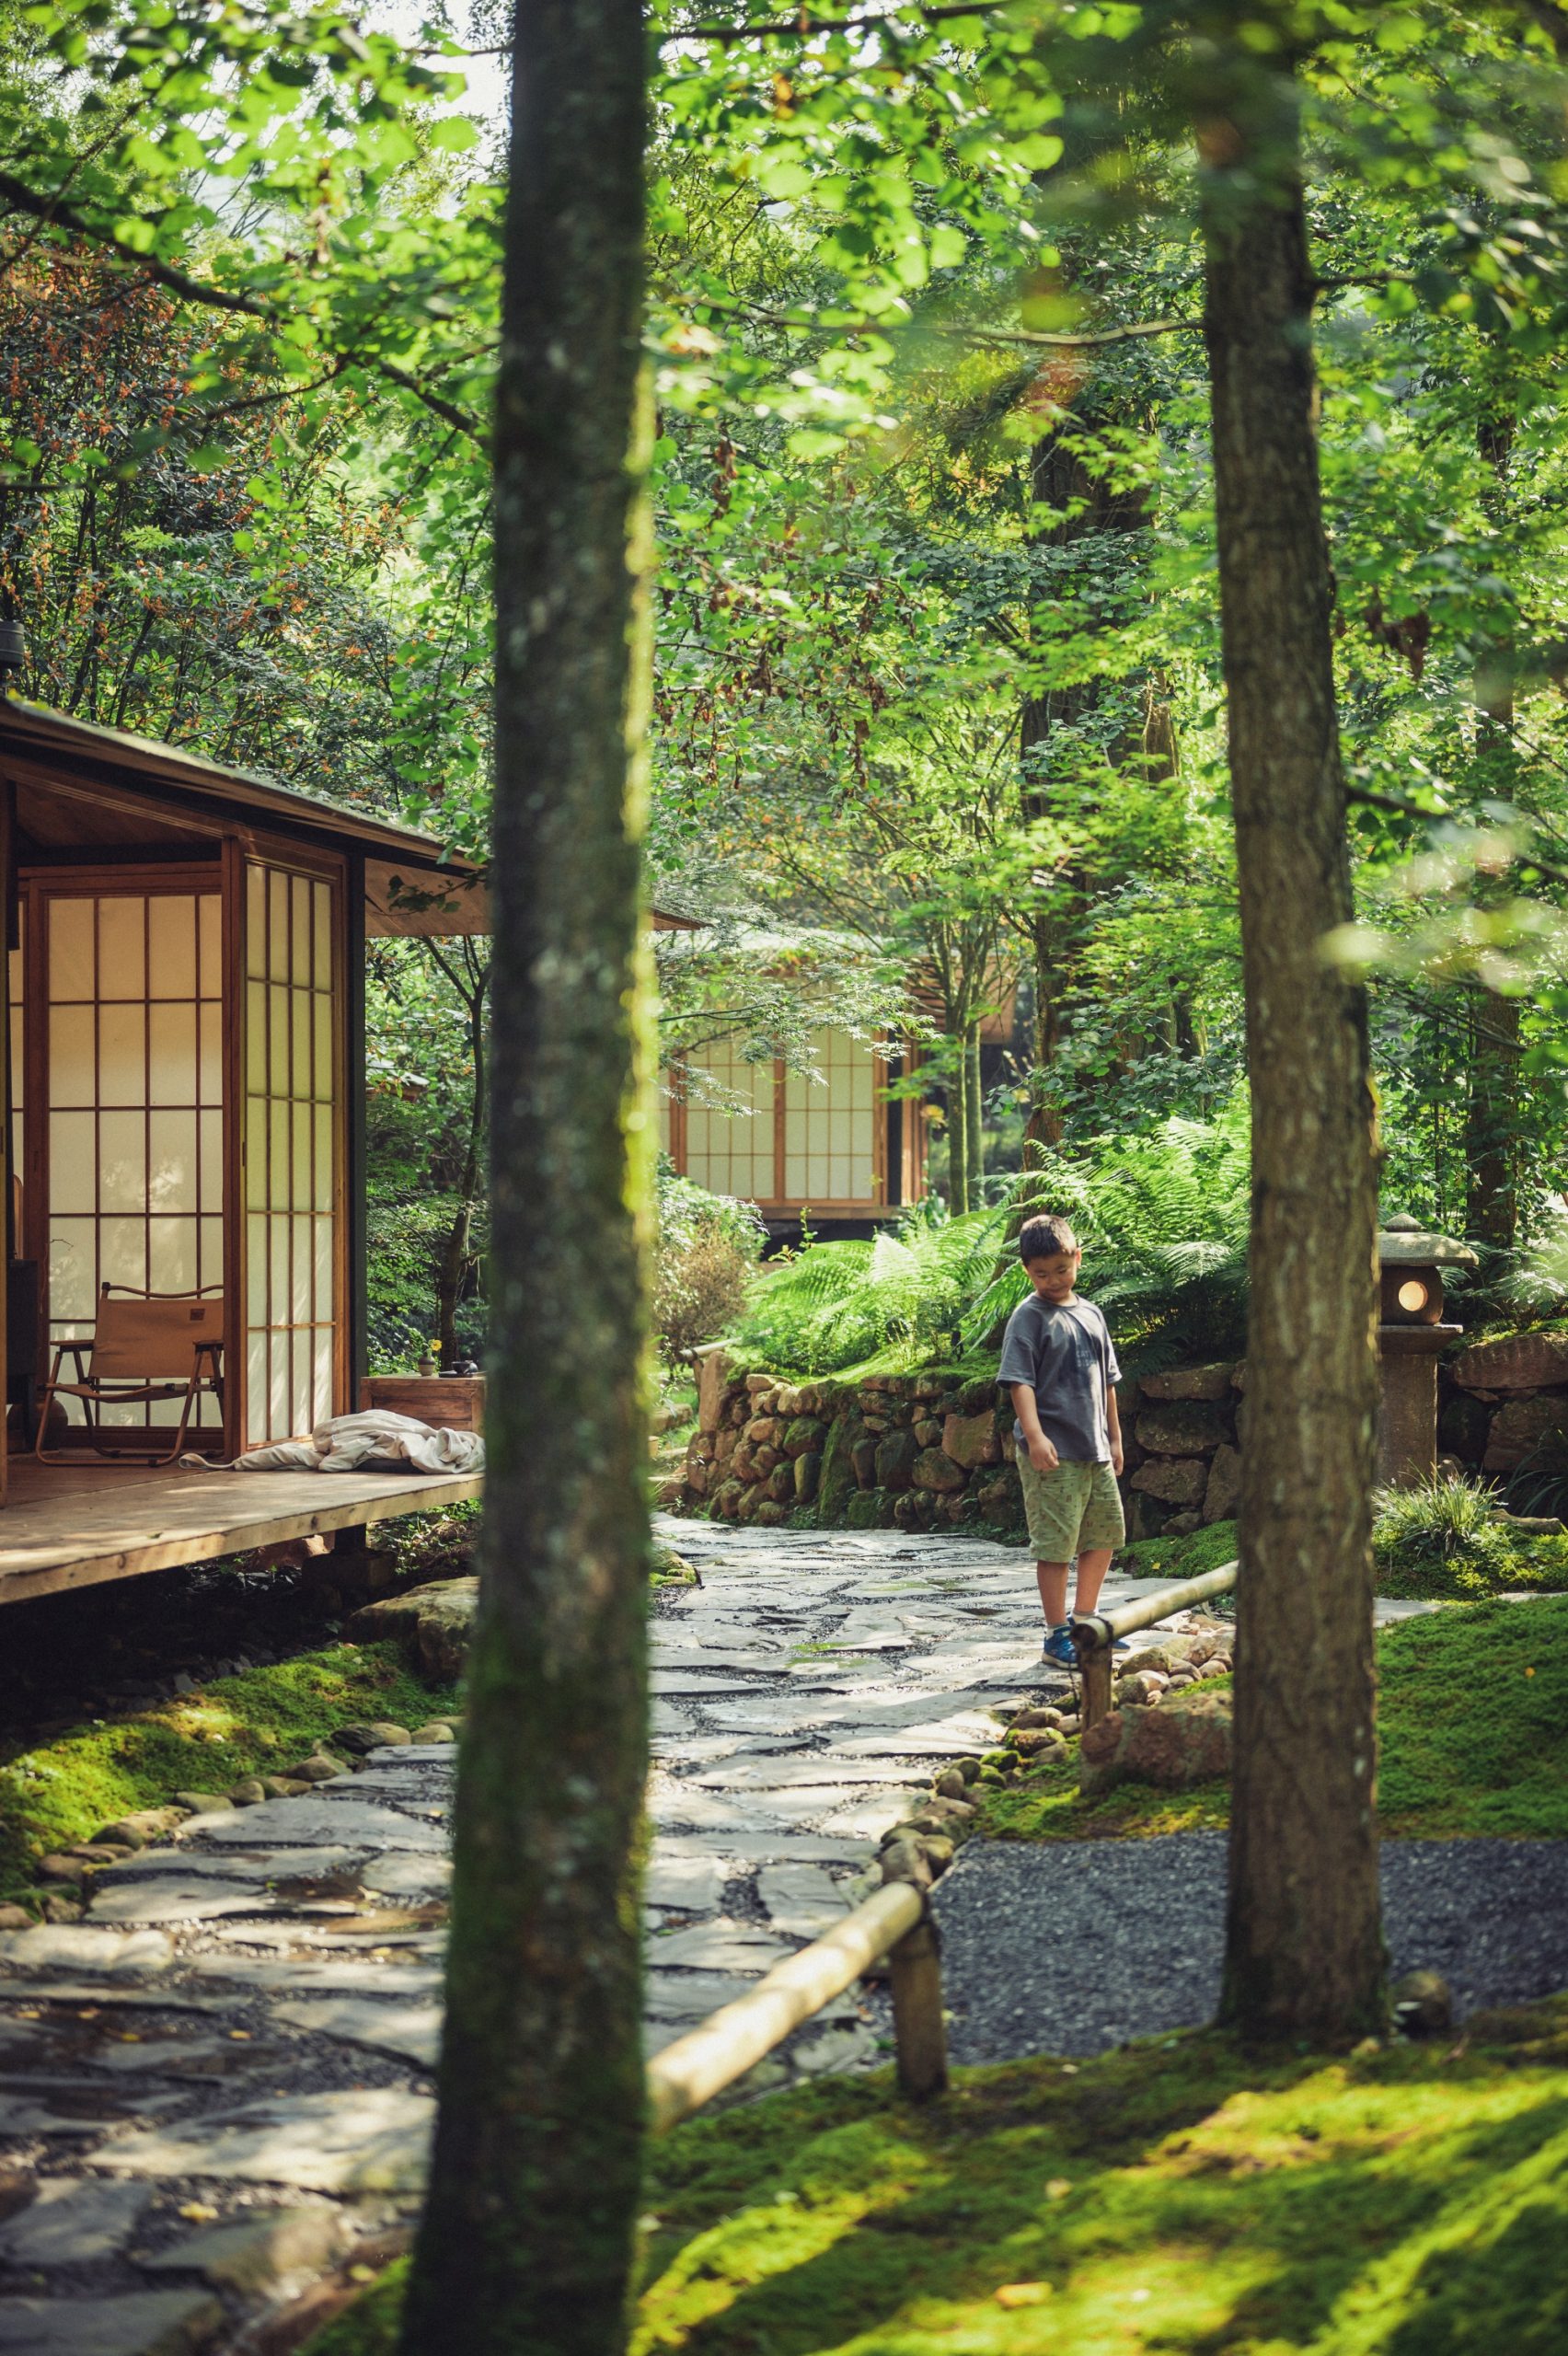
point(49, 210)
point(1365, 796)
point(1032, 338)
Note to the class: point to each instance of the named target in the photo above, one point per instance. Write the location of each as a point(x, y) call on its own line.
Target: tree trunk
point(974, 1114)
point(1491, 1110)
point(957, 1093)
point(1492, 1125)
point(527, 2237)
point(1304, 1954)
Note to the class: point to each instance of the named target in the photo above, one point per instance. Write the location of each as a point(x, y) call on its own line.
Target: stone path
point(218, 2085)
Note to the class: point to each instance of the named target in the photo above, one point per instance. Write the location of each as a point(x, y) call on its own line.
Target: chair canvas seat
point(144, 1346)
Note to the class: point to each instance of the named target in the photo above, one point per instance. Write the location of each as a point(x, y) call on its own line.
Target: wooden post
point(1094, 1668)
point(920, 2031)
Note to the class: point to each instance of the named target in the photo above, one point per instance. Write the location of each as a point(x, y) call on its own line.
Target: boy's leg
point(1093, 1566)
point(1102, 1530)
point(1053, 1578)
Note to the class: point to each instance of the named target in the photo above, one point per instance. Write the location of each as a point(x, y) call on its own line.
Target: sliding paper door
point(293, 1149)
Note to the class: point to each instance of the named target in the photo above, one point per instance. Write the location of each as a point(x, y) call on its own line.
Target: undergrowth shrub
point(706, 1249)
point(1440, 1539)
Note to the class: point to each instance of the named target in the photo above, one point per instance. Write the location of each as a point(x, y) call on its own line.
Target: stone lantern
point(1411, 1336)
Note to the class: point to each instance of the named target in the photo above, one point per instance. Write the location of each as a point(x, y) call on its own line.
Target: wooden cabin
point(842, 1149)
point(185, 1019)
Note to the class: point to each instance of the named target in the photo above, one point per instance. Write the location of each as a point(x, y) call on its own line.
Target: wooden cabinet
point(451, 1401)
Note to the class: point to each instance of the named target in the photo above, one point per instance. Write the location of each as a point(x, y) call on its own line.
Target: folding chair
point(144, 1346)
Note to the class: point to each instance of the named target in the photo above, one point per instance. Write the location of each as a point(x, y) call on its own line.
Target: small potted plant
point(430, 1363)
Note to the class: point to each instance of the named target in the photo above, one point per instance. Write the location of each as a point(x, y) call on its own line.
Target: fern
point(1163, 1223)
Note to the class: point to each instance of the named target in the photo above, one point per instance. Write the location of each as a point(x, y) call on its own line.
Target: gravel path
point(1074, 1947)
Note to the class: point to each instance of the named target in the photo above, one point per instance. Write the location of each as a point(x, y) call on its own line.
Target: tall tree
point(527, 2234)
point(1304, 1954)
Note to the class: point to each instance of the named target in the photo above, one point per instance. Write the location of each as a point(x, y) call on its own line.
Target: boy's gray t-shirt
point(1063, 1351)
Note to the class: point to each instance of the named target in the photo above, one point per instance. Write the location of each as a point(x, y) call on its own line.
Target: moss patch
point(1176, 2195)
point(53, 1794)
point(1181, 1558)
point(1472, 1730)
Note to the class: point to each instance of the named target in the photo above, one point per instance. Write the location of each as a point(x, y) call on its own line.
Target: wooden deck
point(63, 1527)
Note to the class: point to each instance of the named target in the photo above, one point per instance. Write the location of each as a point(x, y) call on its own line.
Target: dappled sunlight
point(1171, 2196)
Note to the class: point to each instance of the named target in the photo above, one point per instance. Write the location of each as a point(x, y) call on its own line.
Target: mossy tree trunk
point(1304, 1954)
point(526, 2241)
point(974, 1117)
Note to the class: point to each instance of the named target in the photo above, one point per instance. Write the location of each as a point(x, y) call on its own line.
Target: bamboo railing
point(1095, 1632)
point(894, 1922)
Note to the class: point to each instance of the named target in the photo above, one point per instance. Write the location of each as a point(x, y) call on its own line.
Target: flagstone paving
point(231, 2028)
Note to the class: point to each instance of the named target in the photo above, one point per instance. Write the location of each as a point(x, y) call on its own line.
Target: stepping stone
point(408, 2032)
point(686, 1684)
point(407, 1876)
point(200, 2059)
point(58, 1992)
point(690, 1996)
point(170, 1898)
point(364, 2139)
point(318, 1823)
point(269, 1865)
point(72, 2221)
point(869, 1813)
point(850, 2047)
point(141, 2323)
point(366, 1976)
point(696, 1882)
point(721, 1945)
point(780, 1774)
point(265, 2251)
point(73, 1946)
point(801, 1899)
point(63, 2106)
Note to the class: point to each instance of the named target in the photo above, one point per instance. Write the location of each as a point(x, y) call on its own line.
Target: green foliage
point(704, 1248)
point(258, 1722)
point(894, 1302)
point(404, 1237)
point(1441, 1538)
point(1163, 1223)
point(1407, 2199)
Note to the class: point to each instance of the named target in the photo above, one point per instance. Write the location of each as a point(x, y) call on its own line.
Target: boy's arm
point(1042, 1455)
point(1114, 1422)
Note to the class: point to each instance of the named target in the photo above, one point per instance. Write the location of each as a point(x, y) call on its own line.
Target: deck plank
point(71, 1528)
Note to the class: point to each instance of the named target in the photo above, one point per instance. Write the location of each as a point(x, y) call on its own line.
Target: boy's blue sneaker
point(1059, 1648)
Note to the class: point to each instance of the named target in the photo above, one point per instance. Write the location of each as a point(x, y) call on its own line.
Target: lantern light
point(1412, 1294)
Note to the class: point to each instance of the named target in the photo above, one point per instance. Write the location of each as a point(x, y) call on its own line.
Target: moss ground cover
point(1175, 2196)
point(52, 1793)
point(1472, 1727)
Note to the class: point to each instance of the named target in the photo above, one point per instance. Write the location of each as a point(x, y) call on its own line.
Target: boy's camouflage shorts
point(1072, 1510)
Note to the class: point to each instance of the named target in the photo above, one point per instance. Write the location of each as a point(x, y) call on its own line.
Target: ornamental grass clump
point(1441, 1538)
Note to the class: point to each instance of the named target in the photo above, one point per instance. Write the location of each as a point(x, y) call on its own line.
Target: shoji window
point(728, 1150)
point(133, 1093)
point(291, 1155)
point(830, 1130)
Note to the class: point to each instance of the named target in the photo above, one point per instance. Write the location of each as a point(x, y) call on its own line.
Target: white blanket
point(373, 1441)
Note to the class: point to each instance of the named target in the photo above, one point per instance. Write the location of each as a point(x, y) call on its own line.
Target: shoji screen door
point(123, 1166)
point(294, 1149)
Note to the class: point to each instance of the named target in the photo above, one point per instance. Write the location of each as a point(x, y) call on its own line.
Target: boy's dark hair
point(1046, 1238)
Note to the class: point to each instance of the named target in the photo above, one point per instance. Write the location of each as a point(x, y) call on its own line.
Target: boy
point(1059, 1364)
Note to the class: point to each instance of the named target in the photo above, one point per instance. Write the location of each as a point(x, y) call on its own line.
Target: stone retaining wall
point(926, 1451)
point(1504, 1401)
